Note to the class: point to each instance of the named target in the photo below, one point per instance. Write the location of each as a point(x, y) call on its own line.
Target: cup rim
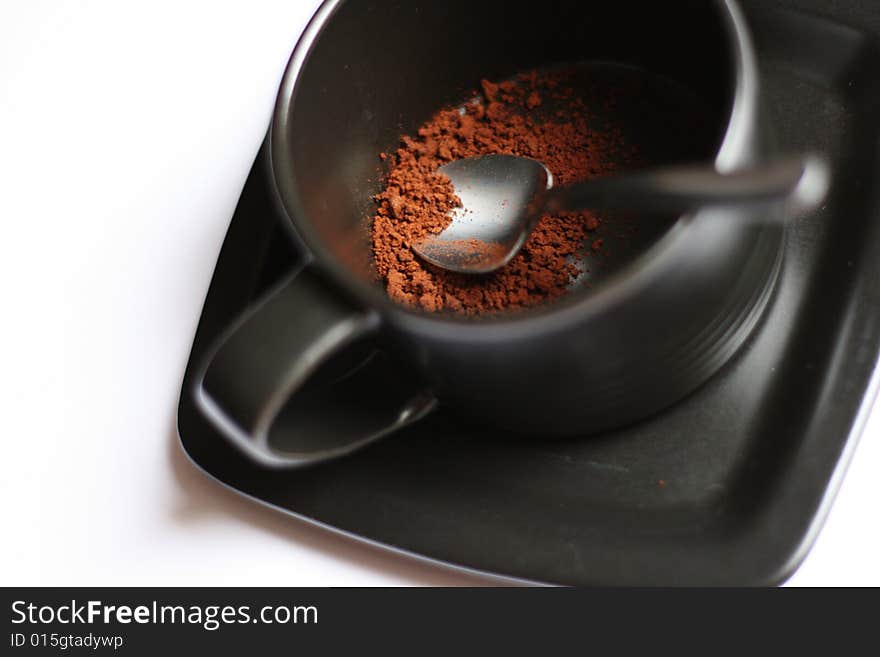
point(734, 151)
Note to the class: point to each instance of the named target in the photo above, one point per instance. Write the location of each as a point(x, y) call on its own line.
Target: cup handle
point(262, 361)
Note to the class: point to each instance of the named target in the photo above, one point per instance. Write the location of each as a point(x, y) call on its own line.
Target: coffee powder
point(537, 115)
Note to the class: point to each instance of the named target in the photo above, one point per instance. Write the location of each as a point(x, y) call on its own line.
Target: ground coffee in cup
point(540, 115)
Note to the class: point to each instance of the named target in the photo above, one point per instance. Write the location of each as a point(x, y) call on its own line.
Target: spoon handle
point(799, 182)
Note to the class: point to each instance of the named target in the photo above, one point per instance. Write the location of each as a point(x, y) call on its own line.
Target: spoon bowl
point(501, 197)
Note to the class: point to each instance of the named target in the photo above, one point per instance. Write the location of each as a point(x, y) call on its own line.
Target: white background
point(126, 132)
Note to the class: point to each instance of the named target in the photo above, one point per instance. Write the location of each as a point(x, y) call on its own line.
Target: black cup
point(364, 73)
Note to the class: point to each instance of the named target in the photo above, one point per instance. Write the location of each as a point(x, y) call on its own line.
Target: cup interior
point(374, 71)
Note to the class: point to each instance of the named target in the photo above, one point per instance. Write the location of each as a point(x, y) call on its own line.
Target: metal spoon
point(503, 196)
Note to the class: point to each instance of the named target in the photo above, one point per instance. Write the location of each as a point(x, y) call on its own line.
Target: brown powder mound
point(535, 115)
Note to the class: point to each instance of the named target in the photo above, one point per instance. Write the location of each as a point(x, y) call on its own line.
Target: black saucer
point(728, 487)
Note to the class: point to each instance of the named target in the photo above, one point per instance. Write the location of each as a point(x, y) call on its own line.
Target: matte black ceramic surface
point(603, 357)
point(728, 487)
